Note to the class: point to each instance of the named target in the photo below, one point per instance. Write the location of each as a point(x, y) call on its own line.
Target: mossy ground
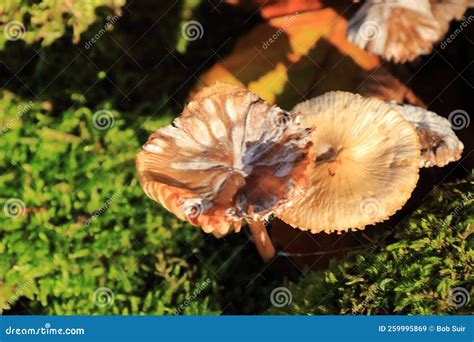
point(85, 224)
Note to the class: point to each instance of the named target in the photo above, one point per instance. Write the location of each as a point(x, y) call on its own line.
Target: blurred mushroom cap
point(363, 163)
point(402, 30)
point(438, 142)
point(445, 11)
point(229, 156)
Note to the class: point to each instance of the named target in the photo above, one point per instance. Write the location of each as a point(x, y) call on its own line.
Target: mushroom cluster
point(337, 162)
point(402, 30)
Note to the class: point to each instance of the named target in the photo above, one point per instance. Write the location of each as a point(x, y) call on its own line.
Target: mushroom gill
point(229, 156)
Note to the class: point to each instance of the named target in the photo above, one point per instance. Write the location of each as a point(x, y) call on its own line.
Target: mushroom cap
point(445, 11)
point(401, 30)
point(229, 156)
point(363, 163)
point(439, 144)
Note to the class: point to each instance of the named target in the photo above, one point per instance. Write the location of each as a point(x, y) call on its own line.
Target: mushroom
point(439, 144)
point(401, 30)
point(230, 156)
point(363, 163)
point(445, 11)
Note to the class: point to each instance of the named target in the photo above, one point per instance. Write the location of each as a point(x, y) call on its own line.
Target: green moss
point(75, 225)
point(83, 221)
point(49, 20)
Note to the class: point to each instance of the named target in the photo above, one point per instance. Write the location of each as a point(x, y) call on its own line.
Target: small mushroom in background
point(229, 157)
point(364, 163)
point(402, 30)
point(439, 144)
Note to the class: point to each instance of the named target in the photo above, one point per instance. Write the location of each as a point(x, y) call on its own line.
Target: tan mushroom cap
point(363, 163)
point(438, 142)
point(229, 156)
point(402, 30)
point(446, 10)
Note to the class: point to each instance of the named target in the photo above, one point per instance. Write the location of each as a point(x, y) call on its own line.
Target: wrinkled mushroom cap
point(402, 30)
point(229, 156)
point(438, 142)
point(363, 163)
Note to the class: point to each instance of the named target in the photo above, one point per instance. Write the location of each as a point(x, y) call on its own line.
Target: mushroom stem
point(262, 240)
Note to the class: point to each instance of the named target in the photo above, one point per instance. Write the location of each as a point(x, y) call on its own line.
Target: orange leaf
point(295, 57)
